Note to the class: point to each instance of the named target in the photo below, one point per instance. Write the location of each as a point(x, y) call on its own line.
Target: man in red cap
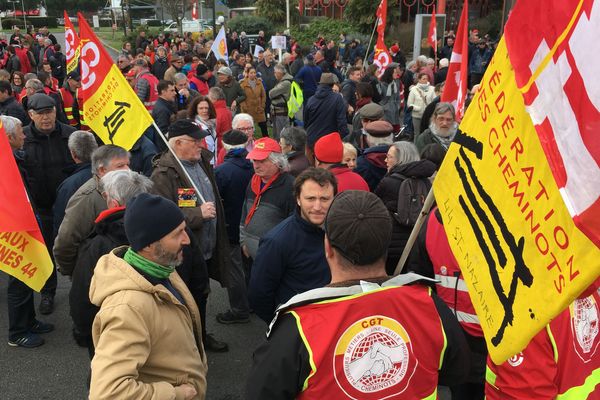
point(329, 152)
point(269, 197)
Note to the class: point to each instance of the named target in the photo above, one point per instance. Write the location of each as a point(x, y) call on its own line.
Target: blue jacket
point(371, 165)
point(81, 174)
point(233, 177)
point(309, 75)
point(324, 113)
point(290, 260)
point(142, 153)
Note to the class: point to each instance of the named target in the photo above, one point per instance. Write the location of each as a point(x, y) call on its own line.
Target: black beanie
point(201, 69)
point(149, 218)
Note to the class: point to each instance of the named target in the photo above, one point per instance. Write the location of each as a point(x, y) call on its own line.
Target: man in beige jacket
point(147, 333)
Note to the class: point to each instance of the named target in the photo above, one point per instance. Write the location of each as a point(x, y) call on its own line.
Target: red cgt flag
point(23, 253)
point(382, 56)
point(455, 90)
point(432, 35)
point(72, 45)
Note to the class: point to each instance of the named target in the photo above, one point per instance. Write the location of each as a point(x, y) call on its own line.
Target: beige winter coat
point(147, 342)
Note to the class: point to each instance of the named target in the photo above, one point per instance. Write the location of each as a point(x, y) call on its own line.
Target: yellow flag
point(520, 252)
point(110, 106)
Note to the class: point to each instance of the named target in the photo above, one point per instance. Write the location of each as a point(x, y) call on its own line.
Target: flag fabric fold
point(23, 253)
point(72, 45)
point(432, 34)
point(455, 90)
point(219, 46)
point(382, 57)
point(524, 155)
point(110, 106)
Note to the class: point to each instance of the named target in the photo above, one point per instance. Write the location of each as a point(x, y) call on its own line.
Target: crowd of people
point(294, 183)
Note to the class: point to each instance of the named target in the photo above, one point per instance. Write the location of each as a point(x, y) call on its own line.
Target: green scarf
point(149, 267)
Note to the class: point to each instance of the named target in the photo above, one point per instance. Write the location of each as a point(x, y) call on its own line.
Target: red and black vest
point(153, 92)
point(69, 105)
point(451, 288)
point(387, 343)
point(561, 362)
point(201, 86)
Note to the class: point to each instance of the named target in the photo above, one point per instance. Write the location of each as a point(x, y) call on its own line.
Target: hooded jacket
point(371, 165)
point(147, 342)
point(387, 191)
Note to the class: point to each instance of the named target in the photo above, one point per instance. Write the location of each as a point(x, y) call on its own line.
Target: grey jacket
point(280, 94)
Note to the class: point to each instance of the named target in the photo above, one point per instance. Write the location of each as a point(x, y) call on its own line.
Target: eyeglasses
point(247, 129)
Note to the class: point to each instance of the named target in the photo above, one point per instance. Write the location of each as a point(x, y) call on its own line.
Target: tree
point(274, 10)
point(361, 13)
point(174, 7)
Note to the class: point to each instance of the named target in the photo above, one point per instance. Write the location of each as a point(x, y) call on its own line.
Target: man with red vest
point(199, 81)
point(432, 257)
point(560, 362)
point(329, 153)
point(364, 336)
point(146, 84)
point(72, 102)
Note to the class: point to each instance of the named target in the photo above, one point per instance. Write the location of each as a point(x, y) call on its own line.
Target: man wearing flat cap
point(72, 101)
point(364, 335)
point(204, 213)
point(371, 163)
point(48, 162)
point(368, 113)
point(324, 113)
point(147, 332)
point(234, 94)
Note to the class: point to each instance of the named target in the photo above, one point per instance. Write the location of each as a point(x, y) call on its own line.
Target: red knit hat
point(395, 48)
point(330, 149)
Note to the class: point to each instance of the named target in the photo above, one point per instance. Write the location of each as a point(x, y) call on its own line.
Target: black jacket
point(387, 191)
point(142, 154)
point(159, 67)
point(47, 162)
point(81, 174)
point(233, 177)
point(162, 113)
point(349, 92)
point(13, 108)
point(371, 165)
point(324, 113)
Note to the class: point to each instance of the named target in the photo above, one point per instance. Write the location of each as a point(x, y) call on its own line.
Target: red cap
point(330, 149)
point(262, 148)
point(395, 48)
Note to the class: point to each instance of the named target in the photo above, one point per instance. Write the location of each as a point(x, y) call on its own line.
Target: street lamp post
point(24, 19)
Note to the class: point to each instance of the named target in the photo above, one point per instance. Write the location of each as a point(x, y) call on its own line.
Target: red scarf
point(255, 186)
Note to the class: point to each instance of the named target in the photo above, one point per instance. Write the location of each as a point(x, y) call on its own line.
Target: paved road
point(58, 370)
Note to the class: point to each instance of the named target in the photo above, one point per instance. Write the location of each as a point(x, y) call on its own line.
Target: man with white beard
point(442, 127)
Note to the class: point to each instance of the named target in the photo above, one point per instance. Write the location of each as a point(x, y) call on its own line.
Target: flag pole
point(429, 200)
point(187, 175)
point(365, 62)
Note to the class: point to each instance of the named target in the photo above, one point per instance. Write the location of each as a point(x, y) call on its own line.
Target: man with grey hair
point(85, 205)
point(108, 233)
point(271, 187)
point(81, 145)
point(279, 95)
point(47, 162)
point(442, 128)
point(185, 94)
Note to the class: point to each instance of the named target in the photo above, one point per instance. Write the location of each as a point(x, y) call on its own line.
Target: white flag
point(219, 46)
point(257, 49)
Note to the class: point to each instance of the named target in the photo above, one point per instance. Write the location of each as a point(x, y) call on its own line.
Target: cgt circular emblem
point(374, 359)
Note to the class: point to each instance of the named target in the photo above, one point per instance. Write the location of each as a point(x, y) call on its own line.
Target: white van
point(188, 26)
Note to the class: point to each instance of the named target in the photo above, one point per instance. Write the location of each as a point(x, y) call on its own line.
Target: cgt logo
point(69, 44)
point(90, 57)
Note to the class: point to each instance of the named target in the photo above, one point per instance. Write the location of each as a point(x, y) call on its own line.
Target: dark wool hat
point(358, 225)
point(186, 127)
point(39, 102)
point(234, 137)
point(149, 218)
point(201, 69)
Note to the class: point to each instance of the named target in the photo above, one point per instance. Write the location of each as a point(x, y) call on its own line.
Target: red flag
point(194, 10)
point(382, 56)
point(72, 45)
point(22, 249)
point(432, 35)
point(455, 90)
point(110, 106)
